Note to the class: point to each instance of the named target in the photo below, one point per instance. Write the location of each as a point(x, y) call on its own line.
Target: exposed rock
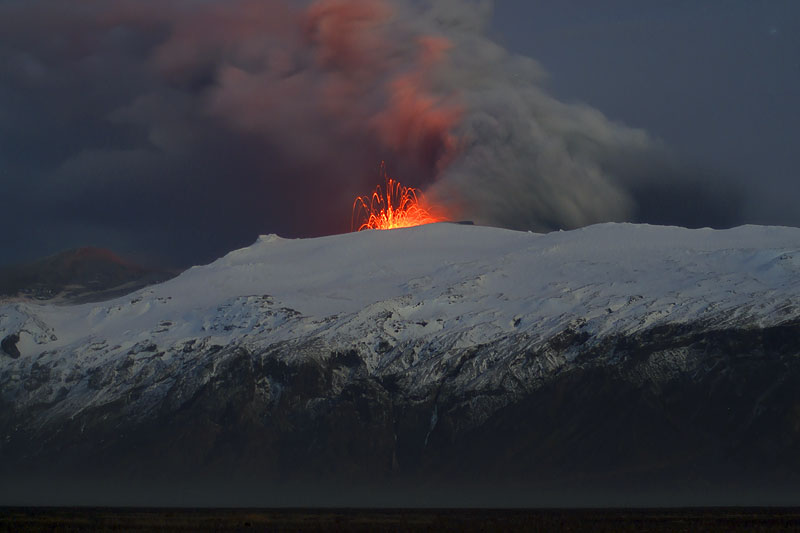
point(9, 345)
point(713, 407)
point(40, 374)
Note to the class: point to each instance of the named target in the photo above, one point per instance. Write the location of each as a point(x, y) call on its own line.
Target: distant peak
point(93, 253)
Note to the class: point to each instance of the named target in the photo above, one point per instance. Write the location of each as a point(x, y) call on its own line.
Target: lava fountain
point(395, 206)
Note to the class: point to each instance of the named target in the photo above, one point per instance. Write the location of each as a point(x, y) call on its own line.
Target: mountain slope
point(615, 362)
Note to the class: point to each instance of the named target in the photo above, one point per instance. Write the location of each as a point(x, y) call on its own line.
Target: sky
point(718, 81)
point(175, 131)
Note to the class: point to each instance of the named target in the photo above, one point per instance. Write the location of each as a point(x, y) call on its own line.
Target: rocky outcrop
point(9, 345)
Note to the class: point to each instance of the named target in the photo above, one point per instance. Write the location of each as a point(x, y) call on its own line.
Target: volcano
point(393, 207)
point(442, 364)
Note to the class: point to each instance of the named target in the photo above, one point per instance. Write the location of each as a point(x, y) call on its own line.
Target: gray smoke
point(186, 127)
point(530, 161)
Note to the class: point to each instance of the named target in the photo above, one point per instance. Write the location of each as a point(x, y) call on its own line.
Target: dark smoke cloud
point(183, 128)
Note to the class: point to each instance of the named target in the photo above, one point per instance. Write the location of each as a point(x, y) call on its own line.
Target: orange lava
point(393, 207)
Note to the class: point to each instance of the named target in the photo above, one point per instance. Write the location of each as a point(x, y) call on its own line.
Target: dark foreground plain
point(139, 519)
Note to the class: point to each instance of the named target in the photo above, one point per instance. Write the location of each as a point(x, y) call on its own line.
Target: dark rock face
point(676, 409)
point(9, 345)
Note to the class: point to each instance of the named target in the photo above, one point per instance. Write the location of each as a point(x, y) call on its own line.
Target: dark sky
point(175, 131)
point(717, 80)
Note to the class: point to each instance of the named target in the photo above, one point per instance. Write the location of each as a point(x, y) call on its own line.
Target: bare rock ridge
point(440, 365)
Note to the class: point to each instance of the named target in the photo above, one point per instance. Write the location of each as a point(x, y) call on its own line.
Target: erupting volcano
point(395, 206)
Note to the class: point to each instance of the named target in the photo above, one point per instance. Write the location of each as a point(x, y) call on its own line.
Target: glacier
point(609, 358)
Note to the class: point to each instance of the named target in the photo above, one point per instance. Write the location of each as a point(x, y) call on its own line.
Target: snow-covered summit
point(441, 350)
point(483, 281)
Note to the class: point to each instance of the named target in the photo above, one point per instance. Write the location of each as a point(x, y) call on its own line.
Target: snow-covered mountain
point(617, 357)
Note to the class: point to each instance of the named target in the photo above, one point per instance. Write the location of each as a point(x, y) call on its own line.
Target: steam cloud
point(191, 125)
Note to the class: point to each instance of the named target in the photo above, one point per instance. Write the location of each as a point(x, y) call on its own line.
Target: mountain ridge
point(79, 275)
point(602, 360)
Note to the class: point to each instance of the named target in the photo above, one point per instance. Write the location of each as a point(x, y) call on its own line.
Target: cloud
point(530, 161)
point(231, 118)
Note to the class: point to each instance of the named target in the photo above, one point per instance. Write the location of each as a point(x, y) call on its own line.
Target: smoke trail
point(530, 161)
point(278, 114)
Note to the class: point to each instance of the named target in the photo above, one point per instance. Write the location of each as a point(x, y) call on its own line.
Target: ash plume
point(223, 119)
